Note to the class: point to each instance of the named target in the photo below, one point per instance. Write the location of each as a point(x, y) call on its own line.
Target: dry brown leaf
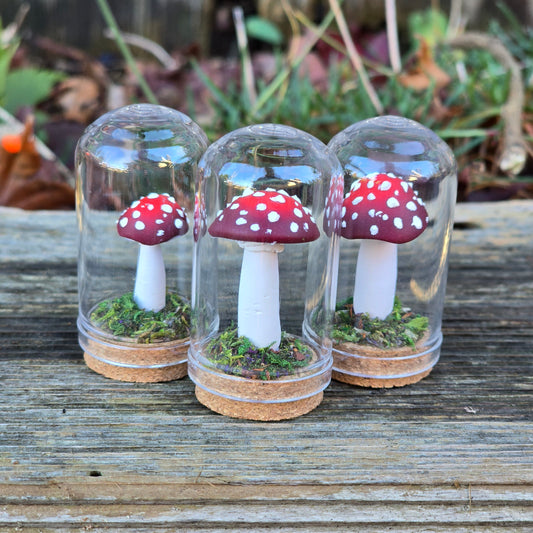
point(78, 97)
point(424, 72)
point(27, 180)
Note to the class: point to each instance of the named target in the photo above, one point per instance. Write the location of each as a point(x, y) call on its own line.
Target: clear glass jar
point(400, 184)
point(270, 198)
point(136, 169)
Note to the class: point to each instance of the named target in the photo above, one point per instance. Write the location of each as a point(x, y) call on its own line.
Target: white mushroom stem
point(258, 308)
point(375, 278)
point(150, 280)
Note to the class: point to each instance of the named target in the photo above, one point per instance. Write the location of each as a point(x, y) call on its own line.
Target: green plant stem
point(339, 47)
point(276, 83)
point(246, 62)
point(125, 51)
point(392, 36)
point(354, 56)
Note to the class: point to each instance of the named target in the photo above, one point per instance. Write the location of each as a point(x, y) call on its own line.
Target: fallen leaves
point(28, 180)
point(424, 73)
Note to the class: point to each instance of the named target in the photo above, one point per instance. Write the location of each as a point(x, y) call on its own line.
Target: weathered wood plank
point(452, 453)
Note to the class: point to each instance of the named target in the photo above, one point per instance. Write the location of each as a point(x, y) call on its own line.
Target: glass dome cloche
point(136, 169)
point(400, 182)
point(263, 291)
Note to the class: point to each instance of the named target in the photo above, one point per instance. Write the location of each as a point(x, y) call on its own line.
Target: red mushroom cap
point(333, 205)
point(153, 219)
point(199, 217)
point(383, 207)
point(267, 216)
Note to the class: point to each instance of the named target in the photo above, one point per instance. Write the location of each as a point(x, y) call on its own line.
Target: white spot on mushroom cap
point(384, 186)
point(370, 184)
point(123, 222)
point(240, 221)
point(255, 227)
point(354, 216)
point(150, 207)
point(178, 223)
point(261, 207)
point(294, 227)
point(136, 214)
point(152, 196)
point(273, 216)
point(166, 208)
point(357, 200)
point(139, 225)
point(392, 202)
point(243, 212)
point(234, 206)
point(299, 213)
point(159, 221)
point(135, 204)
point(417, 222)
point(374, 230)
point(160, 232)
point(411, 206)
point(371, 196)
point(279, 198)
point(398, 222)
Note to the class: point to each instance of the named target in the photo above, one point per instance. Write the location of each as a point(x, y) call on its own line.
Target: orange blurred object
point(27, 180)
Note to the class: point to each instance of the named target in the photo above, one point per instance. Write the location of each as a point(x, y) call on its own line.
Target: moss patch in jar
point(122, 317)
point(401, 328)
point(238, 356)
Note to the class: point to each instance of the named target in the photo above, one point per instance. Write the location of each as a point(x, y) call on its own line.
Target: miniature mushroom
point(262, 222)
point(150, 221)
point(199, 217)
point(383, 210)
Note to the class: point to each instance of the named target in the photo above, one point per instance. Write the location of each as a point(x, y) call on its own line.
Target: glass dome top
point(393, 144)
point(267, 156)
point(121, 138)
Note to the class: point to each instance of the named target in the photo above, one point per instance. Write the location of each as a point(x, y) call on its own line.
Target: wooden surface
point(452, 453)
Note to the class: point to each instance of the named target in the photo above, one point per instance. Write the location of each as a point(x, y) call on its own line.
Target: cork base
point(256, 399)
point(368, 366)
point(378, 383)
point(138, 363)
point(257, 411)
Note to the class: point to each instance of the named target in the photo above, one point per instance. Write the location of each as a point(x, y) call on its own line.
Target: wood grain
point(452, 453)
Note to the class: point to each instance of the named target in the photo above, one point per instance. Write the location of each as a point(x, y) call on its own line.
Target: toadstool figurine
point(383, 210)
point(262, 222)
point(150, 221)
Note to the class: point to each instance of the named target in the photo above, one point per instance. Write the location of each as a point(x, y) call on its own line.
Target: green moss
point(122, 317)
point(238, 356)
point(401, 328)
